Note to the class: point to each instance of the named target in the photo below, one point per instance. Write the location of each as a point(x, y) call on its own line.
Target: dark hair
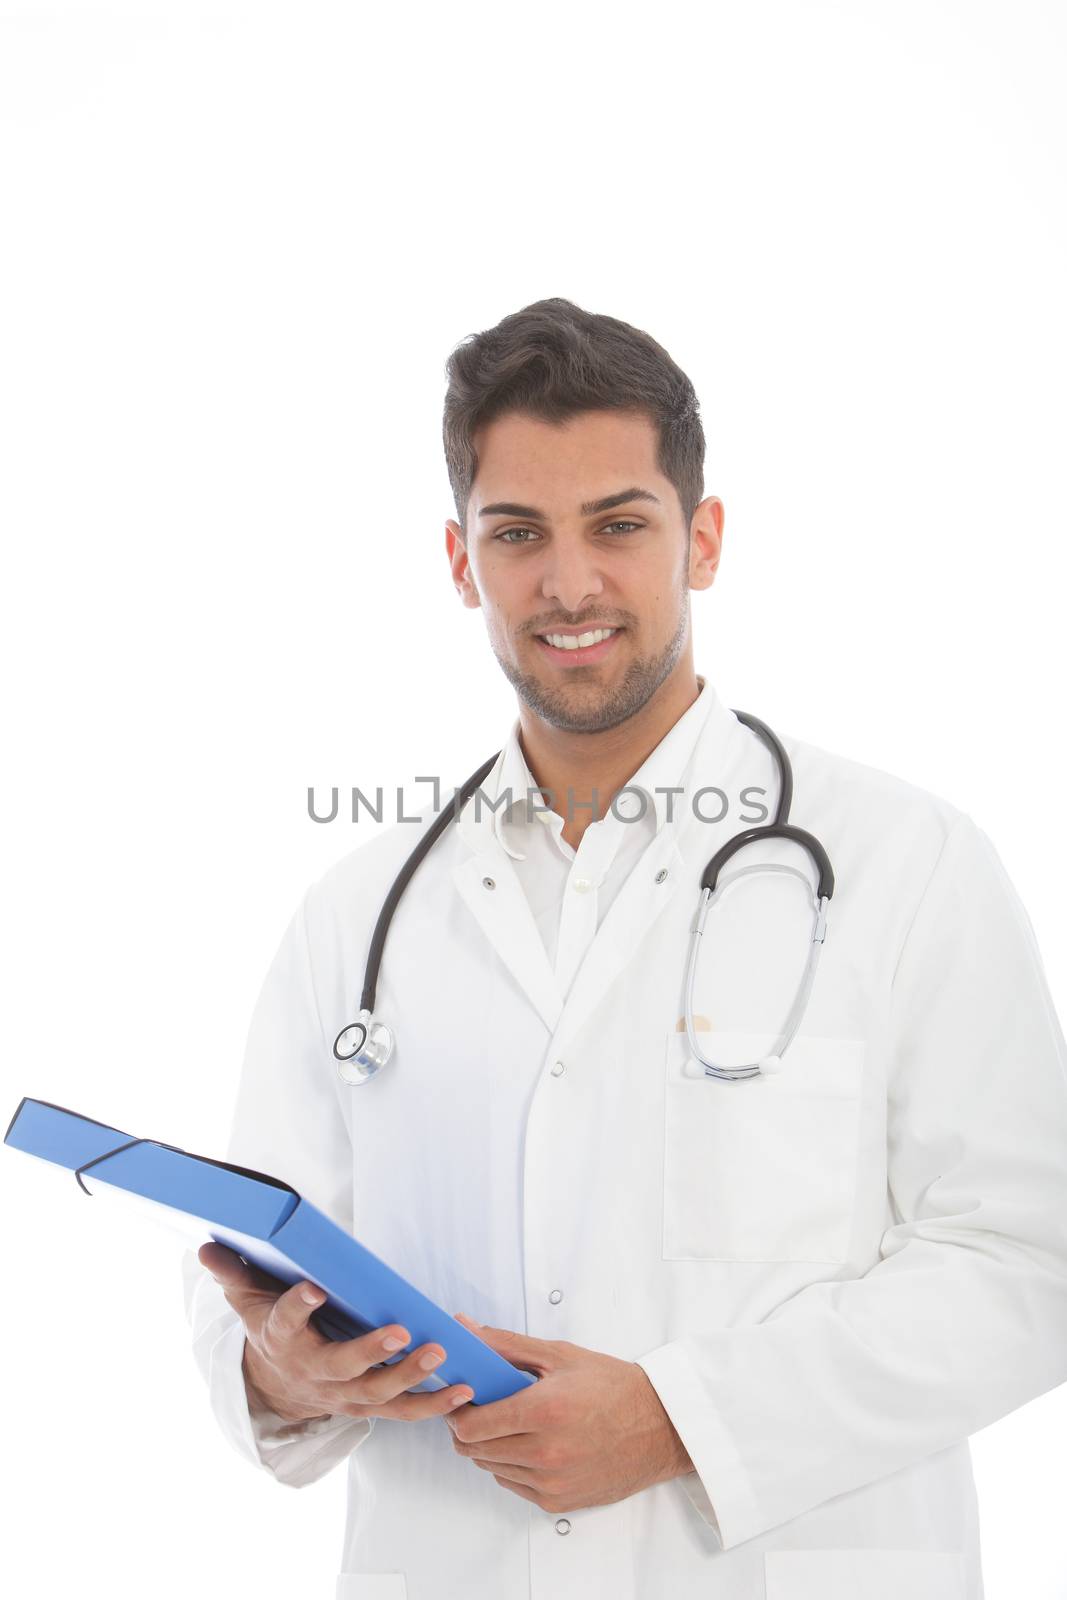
point(552, 360)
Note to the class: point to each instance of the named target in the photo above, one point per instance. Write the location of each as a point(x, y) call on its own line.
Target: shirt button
point(563, 1525)
point(582, 884)
point(557, 1068)
point(556, 1296)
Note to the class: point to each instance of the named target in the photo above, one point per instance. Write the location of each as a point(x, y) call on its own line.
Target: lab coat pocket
point(872, 1574)
point(371, 1586)
point(763, 1168)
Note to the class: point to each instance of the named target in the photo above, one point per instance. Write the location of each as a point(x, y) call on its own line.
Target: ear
point(462, 577)
point(705, 542)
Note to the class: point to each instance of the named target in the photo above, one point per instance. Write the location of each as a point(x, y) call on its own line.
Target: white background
point(238, 245)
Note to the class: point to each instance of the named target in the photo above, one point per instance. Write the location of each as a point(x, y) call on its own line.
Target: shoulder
point(871, 811)
point(349, 894)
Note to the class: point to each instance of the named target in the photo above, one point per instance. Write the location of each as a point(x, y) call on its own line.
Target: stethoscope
point(363, 1047)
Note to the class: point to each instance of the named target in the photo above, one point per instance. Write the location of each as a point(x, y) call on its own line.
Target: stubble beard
point(597, 712)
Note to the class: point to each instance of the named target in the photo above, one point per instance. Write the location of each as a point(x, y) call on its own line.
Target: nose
point(571, 576)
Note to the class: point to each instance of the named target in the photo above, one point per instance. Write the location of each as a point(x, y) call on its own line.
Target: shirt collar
point(663, 768)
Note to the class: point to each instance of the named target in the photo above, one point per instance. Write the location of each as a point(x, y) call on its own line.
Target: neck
point(585, 771)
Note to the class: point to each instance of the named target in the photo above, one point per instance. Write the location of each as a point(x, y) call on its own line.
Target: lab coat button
point(557, 1068)
point(563, 1525)
point(490, 883)
point(661, 874)
point(556, 1296)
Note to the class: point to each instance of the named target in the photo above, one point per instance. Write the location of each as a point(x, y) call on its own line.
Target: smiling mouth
point(578, 649)
point(578, 641)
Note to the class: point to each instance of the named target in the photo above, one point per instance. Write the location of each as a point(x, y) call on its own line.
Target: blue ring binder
point(276, 1231)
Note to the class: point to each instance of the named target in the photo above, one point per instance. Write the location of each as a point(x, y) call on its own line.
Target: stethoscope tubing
point(363, 1047)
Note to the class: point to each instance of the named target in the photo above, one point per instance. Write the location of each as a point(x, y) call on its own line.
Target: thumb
point(521, 1349)
point(236, 1276)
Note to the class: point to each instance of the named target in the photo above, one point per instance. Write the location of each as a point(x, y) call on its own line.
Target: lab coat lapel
point(503, 912)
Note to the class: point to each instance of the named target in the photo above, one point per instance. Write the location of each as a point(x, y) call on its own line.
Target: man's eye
point(505, 534)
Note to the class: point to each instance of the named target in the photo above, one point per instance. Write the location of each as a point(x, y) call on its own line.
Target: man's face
point(573, 530)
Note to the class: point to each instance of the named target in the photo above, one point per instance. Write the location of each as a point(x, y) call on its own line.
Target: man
point(765, 1314)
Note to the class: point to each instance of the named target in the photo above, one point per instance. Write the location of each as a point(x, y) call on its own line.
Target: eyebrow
point(591, 508)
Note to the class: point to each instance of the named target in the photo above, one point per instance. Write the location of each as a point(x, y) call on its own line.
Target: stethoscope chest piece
point(362, 1048)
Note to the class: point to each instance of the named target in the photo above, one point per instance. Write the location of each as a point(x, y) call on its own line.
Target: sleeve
point(288, 1121)
point(963, 1317)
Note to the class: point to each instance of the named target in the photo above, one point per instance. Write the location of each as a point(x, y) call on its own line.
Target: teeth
point(580, 641)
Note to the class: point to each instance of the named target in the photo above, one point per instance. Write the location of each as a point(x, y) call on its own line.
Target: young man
point(765, 1313)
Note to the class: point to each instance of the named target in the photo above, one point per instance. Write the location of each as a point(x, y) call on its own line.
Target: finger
point(539, 1356)
point(350, 1358)
point(517, 1486)
point(413, 1407)
point(379, 1384)
point(497, 1419)
point(290, 1313)
point(362, 1388)
point(506, 1453)
point(222, 1262)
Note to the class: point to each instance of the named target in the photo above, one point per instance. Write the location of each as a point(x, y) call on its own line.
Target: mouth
point(571, 647)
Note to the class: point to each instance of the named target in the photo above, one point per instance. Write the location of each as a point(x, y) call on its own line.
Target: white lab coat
point(831, 1276)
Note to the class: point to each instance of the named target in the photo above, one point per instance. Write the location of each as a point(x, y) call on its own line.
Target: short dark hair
point(552, 360)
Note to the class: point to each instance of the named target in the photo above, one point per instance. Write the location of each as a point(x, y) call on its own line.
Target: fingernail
point(312, 1296)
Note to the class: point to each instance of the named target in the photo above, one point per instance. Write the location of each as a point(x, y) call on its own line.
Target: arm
point(963, 1318)
point(288, 1121)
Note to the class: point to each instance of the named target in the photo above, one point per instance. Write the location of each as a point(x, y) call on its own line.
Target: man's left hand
point(592, 1431)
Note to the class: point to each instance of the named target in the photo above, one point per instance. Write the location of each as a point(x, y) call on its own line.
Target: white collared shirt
point(570, 891)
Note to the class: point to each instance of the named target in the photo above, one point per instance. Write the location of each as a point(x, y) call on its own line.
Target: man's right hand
point(299, 1373)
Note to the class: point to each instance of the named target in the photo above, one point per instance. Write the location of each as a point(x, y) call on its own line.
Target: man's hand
point(298, 1372)
point(592, 1431)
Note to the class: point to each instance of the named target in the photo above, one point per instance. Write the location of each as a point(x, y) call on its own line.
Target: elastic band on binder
point(87, 1164)
point(211, 1161)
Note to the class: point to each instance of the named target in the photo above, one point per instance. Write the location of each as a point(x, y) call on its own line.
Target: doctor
point(767, 1313)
